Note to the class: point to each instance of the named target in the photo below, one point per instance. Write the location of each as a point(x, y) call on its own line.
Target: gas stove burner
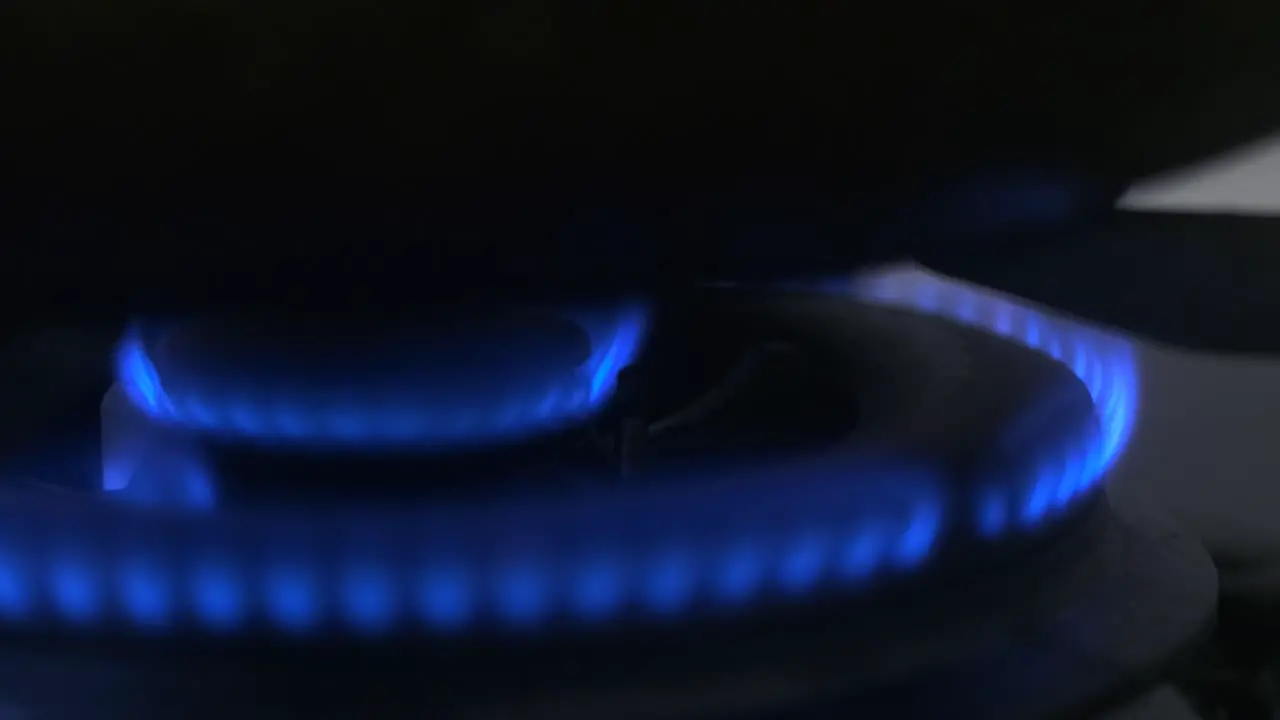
point(422, 392)
point(708, 536)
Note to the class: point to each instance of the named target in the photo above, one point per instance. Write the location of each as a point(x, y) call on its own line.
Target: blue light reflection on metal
point(1106, 364)
point(546, 402)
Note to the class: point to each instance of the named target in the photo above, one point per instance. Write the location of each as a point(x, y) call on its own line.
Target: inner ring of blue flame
point(660, 550)
point(543, 403)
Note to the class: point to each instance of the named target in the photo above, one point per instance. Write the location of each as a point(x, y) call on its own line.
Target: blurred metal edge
point(1201, 282)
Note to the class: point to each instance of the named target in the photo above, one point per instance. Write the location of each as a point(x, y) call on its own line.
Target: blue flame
point(544, 403)
point(717, 540)
point(714, 540)
point(1105, 364)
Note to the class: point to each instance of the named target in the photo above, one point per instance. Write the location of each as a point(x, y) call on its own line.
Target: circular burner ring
point(509, 401)
point(674, 544)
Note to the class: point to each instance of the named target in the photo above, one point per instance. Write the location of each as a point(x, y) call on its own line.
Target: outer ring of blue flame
point(543, 403)
point(1105, 364)
point(718, 541)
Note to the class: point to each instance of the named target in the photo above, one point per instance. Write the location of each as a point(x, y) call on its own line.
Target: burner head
point(323, 380)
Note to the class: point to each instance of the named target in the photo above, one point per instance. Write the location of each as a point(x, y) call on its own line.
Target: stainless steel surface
point(1206, 445)
point(1206, 442)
